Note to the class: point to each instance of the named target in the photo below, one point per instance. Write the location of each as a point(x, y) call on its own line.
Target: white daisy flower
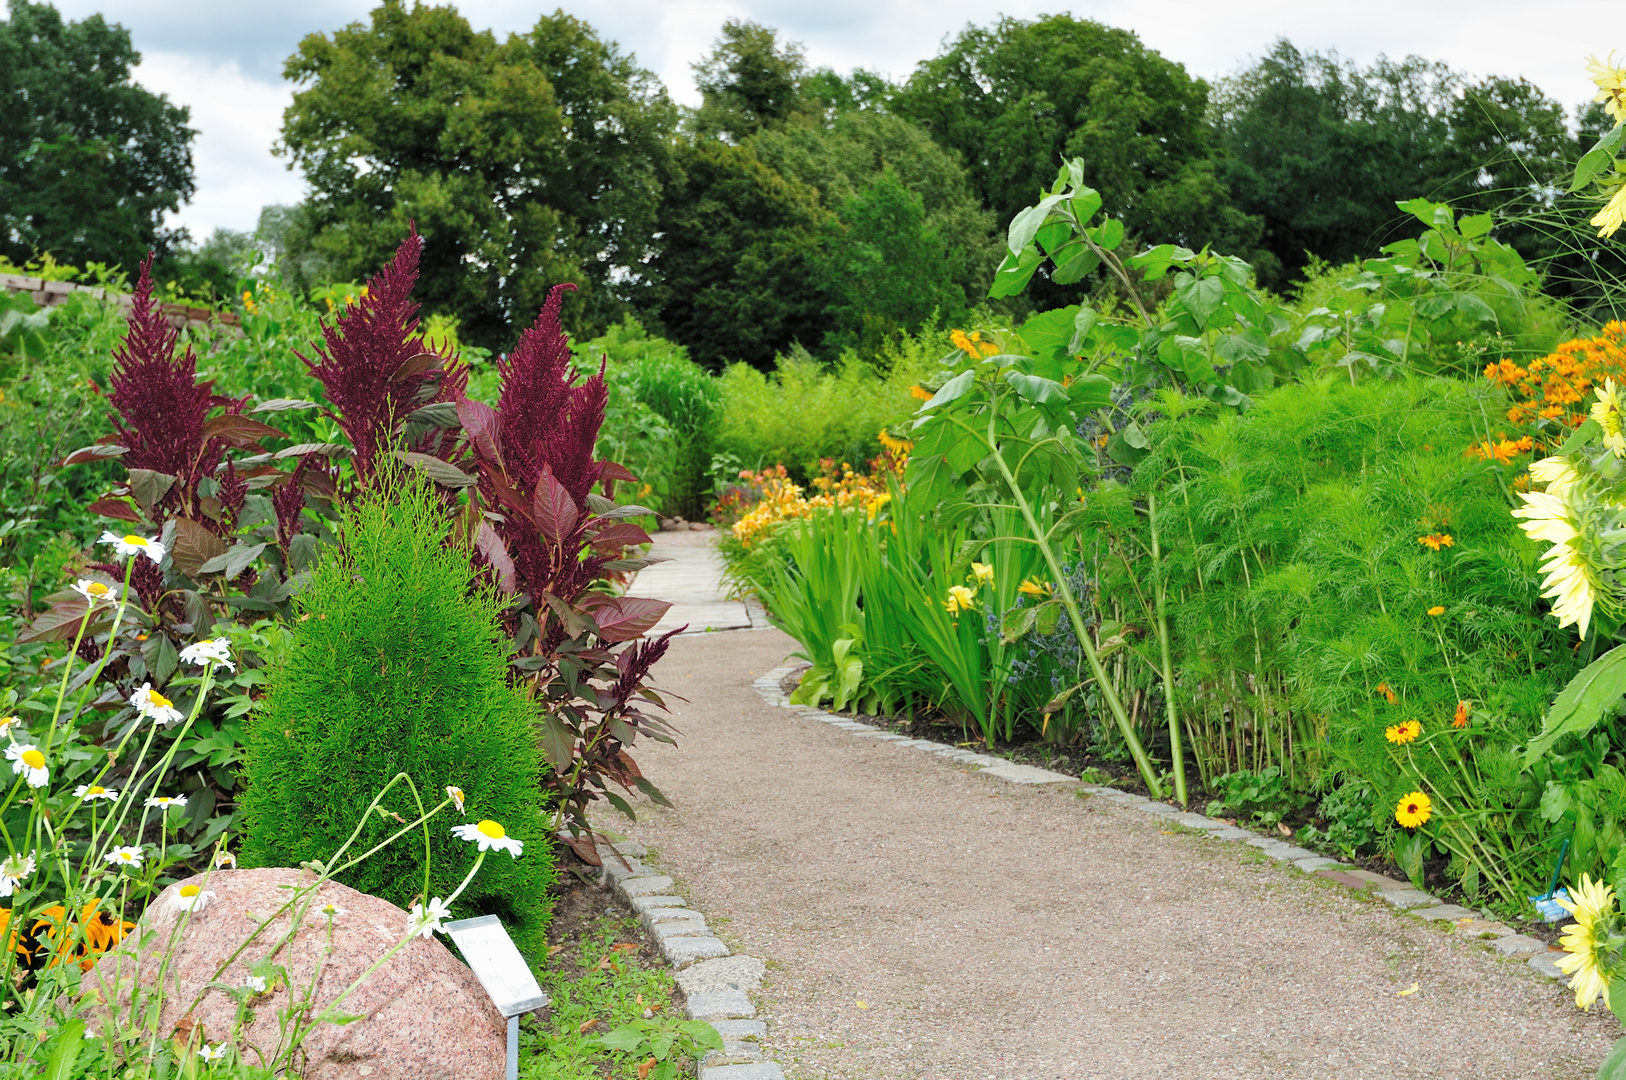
point(29, 763)
point(191, 898)
point(125, 856)
point(164, 802)
point(12, 872)
point(222, 857)
point(210, 651)
point(130, 546)
point(428, 923)
point(488, 834)
point(332, 911)
point(8, 723)
point(92, 792)
point(212, 1053)
point(456, 795)
point(255, 983)
point(149, 702)
point(95, 592)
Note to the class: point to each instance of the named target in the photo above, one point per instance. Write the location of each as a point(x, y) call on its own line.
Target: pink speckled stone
point(426, 1016)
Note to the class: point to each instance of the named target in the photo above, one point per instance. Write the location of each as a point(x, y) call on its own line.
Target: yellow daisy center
point(491, 829)
point(96, 588)
point(95, 789)
point(138, 541)
point(33, 759)
point(158, 700)
point(189, 890)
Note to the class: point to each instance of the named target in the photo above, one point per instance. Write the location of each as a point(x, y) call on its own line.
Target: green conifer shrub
point(396, 666)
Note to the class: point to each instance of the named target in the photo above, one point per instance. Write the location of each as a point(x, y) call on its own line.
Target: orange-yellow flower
point(1436, 610)
point(920, 392)
point(1436, 541)
point(1461, 719)
point(1404, 732)
point(1383, 688)
point(1414, 810)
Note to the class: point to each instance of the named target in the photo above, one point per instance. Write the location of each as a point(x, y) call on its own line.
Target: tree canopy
point(90, 162)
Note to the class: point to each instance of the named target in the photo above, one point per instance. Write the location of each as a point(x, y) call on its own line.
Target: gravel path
point(921, 921)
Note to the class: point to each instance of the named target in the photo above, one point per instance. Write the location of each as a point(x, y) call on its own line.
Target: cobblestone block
point(1547, 964)
point(739, 1029)
point(641, 904)
point(1443, 913)
point(1518, 945)
point(680, 952)
point(733, 1052)
point(680, 928)
point(1026, 774)
point(1311, 865)
point(1408, 898)
point(728, 973)
point(644, 886)
point(721, 1005)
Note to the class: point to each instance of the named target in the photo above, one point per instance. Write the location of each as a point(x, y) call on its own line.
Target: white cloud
point(224, 59)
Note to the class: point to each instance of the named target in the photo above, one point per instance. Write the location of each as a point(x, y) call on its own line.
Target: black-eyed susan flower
point(1586, 940)
point(14, 870)
point(131, 545)
point(1403, 732)
point(126, 856)
point(191, 898)
point(94, 592)
point(1414, 810)
point(490, 836)
point(92, 792)
point(428, 922)
point(28, 762)
point(150, 703)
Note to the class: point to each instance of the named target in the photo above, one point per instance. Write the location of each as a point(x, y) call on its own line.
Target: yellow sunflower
point(1582, 939)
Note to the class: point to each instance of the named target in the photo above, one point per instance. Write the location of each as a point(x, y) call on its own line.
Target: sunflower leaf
point(1586, 700)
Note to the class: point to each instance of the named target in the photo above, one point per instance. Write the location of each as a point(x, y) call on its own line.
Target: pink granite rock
point(426, 1016)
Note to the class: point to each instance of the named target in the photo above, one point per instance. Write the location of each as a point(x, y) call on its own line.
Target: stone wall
point(51, 293)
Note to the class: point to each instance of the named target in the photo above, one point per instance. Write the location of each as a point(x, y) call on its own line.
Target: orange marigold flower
point(919, 392)
point(1461, 719)
point(1436, 541)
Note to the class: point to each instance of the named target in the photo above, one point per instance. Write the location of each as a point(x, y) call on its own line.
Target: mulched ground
point(577, 906)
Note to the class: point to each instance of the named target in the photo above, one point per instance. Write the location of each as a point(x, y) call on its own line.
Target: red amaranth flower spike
point(161, 407)
point(372, 369)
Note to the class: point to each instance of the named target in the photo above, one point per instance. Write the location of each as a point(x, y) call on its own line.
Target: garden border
point(716, 983)
point(1479, 926)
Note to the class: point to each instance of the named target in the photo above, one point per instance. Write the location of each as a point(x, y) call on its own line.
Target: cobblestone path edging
point(1405, 899)
point(716, 984)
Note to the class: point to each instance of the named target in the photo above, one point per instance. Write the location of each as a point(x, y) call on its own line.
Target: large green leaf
point(1597, 159)
point(1051, 332)
point(1614, 1065)
point(1587, 699)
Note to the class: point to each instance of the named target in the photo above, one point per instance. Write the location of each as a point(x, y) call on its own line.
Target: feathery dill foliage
point(396, 666)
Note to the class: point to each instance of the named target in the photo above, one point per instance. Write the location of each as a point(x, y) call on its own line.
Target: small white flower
point(255, 983)
point(125, 856)
point(130, 546)
point(164, 802)
point(456, 795)
point(8, 723)
point(212, 1053)
point(190, 898)
point(210, 651)
point(332, 911)
point(12, 872)
point(223, 857)
point(29, 763)
point(92, 792)
point(428, 923)
point(488, 834)
point(149, 702)
point(95, 592)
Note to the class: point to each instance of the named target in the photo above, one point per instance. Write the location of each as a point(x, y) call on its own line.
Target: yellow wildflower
point(1606, 412)
point(960, 599)
point(1033, 588)
point(982, 573)
point(1436, 541)
point(1414, 810)
point(1404, 732)
point(1611, 83)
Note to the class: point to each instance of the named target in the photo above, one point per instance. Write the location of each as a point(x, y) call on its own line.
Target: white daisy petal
point(28, 762)
point(132, 545)
point(490, 836)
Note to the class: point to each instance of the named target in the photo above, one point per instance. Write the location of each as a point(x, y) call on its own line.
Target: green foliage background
point(395, 667)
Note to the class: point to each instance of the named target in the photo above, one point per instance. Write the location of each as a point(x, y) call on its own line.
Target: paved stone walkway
point(691, 579)
point(920, 920)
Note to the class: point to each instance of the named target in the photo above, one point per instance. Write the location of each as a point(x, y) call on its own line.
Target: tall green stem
point(1041, 537)
point(1175, 748)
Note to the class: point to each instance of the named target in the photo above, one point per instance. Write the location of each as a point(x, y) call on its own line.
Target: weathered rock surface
point(426, 1016)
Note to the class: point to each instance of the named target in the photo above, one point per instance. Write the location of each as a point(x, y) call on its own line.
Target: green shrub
point(395, 667)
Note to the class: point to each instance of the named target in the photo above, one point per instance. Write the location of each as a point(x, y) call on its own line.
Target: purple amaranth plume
point(373, 370)
point(161, 407)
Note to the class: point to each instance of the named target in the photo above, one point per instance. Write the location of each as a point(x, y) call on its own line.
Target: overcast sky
point(224, 58)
